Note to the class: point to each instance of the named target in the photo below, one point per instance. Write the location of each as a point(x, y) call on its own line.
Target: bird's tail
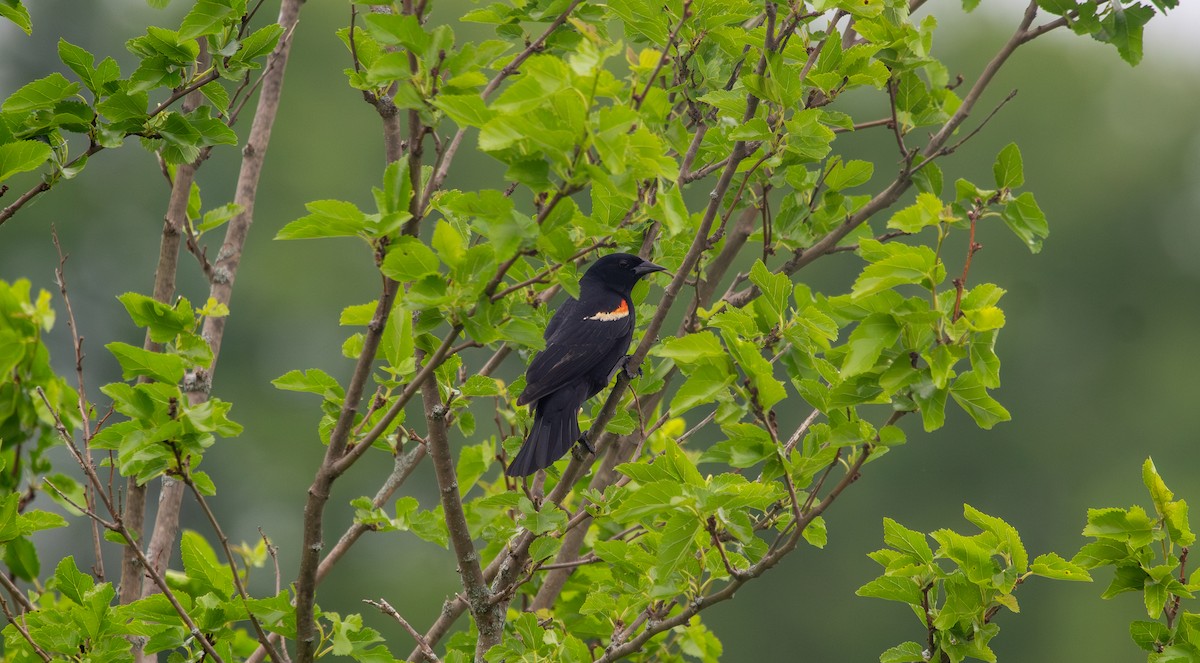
point(555, 429)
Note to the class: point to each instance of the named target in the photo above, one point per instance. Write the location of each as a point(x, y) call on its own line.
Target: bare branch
point(17, 621)
point(404, 465)
point(387, 609)
point(233, 567)
point(488, 617)
point(443, 168)
point(903, 180)
point(672, 40)
point(118, 526)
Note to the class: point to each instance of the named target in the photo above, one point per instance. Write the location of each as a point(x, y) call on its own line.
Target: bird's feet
point(581, 445)
point(631, 372)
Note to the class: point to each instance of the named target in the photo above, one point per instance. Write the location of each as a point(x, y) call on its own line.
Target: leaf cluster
point(957, 590)
point(1148, 553)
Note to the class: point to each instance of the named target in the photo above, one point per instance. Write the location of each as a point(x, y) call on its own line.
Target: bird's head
point(620, 271)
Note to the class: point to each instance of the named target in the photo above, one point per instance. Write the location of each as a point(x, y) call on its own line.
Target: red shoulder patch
point(618, 313)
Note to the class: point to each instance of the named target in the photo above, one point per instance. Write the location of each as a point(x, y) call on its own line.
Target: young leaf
point(1050, 565)
point(71, 582)
point(869, 339)
point(138, 362)
point(968, 391)
point(14, 11)
point(847, 174)
point(22, 156)
point(326, 218)
point(1026, 219)
point(1008, 169)
point(408, 260)
point(164, 322)
point(907, 541)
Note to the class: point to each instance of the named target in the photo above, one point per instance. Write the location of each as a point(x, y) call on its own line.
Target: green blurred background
point(1100, 367)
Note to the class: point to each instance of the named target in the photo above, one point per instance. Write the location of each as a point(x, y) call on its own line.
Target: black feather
point(585, 340)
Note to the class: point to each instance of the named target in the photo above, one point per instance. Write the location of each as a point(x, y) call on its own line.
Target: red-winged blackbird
point(586, 340)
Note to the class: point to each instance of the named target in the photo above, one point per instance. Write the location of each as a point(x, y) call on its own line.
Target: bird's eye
point(624, 263)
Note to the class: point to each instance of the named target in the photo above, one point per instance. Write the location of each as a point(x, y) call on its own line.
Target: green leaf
point(21, 557)
point(1126, 578)
point(37, 520)
point(1132, 526)
point(651, 499)
point(397, 29)
point(137, 362)
point(848, 174)
point(970, 554)
point(201, 564)
point(1103, 552)
point(1155, 595)
point(259, 43)
point(1150, 636)
point(1175, 516)
point(1174, 513)
point(691, 348)
point(968, 391)
point(699, 391)
point(473, 461)
point(674, 210)
point(907, 541)
point(42, 94)
point(10, 527)
point(1026, 219)
point(408, 260)
point(206, 17)
point(481, 385)
point(326, 218)
point(1008, 169)
point(22, 156)
point(867, 342)
point(448, 243)
point(216, 217)
point(816, 533)
point(313, 381)
point(14, 11)
point(1007, 536)
point(1050, 565)
point(164, 322)
point(82, 63)
point(466, 110)
point(676, 542)
point(1159, 493)
point(892, 588)
point(776, 288)
point(127, 106)
point(1123, 28)
point(896, 264)
point(642, 19)
point(925, 212)
point(71, 582)
point(905, 652)
point(1057, 7)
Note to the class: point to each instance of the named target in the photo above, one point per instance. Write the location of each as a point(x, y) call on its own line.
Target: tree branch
point(387, 609)
point(894, 190)
point(443, 169)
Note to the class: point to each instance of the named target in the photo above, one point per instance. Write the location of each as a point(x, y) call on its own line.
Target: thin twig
point(16, 622)
point(233, 567)
point(16, 593)
point(387, 609)
point(119, 527)
point(666, 53)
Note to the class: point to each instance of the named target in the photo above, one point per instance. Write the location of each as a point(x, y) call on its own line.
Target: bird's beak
point(648, 268)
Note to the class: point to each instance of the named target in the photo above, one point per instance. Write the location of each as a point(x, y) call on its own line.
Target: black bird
point(586, 341)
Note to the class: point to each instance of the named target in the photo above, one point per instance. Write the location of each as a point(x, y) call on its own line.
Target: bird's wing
point(575, 344)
